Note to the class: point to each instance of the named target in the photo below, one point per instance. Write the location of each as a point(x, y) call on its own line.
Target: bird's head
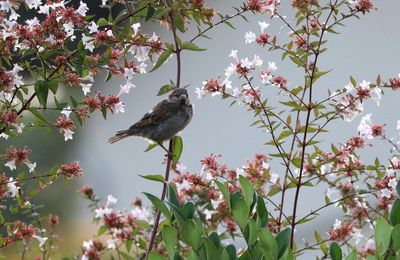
point(179, 95)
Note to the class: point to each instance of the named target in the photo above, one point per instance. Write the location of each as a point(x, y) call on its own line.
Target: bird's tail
point(119, 136)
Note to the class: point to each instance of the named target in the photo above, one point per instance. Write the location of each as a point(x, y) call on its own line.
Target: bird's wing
point(159, 114)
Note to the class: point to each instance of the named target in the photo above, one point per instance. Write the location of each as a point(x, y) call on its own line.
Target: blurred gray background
point(364, 48)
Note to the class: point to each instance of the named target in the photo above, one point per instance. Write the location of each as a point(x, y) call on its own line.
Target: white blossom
point(82, 9)
point(12, 187)
point(120, 107)
point(250, 37)
point(93, 27)
point(11, 165)
point(140, 213)
point(42, 240)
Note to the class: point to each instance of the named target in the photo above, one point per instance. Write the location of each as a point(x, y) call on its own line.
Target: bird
point(163, 122)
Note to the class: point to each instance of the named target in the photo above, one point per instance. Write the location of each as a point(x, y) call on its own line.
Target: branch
point(163, 193)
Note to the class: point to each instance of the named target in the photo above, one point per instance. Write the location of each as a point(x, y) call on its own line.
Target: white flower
point(140, 213)
point(5, 136)
point(66, 111)
point(274, 178)
point(111, 244)
point(68, 134)
point(129, 73)
point(88, 42)
point(125, 89)
point(69, 29)
point(87, 245)
point(257, 61)
point(44, 9)
point(120, 107)
point(11, 165)
point(250, 37)
point(86, 87)
point(200, 93)
point(233, 54)
point(365, 128)
point(140, 52)
point(398, 125)
point(329, 192)
point(101, 212)
point(142, 68)
point(82, 9)
point(357, 235)
point(32, 22)
point(215, 203)
point(208, 213)
point(42, 240)
point(93, 28)
point(181, 168)
point(184, 185)
point(265, 165)
point(263, 26)
point(377, 95)
point(19, 127)
point(104, 2)
point(370, 244)
point(386, 193)
point(135, 28)
point(12, 187)
point(31, 166)
point(109, 33)
point(393, 183)
point(33, 4)
point(111, 200)
point(337, 224)
point(272, 66)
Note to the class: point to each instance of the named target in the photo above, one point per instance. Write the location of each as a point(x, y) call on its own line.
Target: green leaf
point(150, 147)
point(172, 198)
point(396, 238)
point(36, 113)
point(165, 89)
point(158, 204)
point(158, 178)
point(231, 250)
point(170, 238)
point(398, 189)
point(225, 192)
point(191, 46)
point(101, 230)
point(102, 22)
point(211, 250)
point(382, 235)
point(335, 252)
point(179, 22)
point(150, 12)
point(193, 256)
point(247, 190)
point(191, 234)
point(241, 213)
point(155, 256)
point(283, 239)
point(163, 57)
point(251, 232)
point(42, 91)
point(262, 213)
point(53, 86)
point(395, 213)
point(268, 245)
point(352, 255)
point(188, 210)
point(177, 149)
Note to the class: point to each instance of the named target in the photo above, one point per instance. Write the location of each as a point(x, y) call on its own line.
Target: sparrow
point(163, 122)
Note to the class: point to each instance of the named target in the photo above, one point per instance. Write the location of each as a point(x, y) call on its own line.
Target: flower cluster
point(120, 226)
